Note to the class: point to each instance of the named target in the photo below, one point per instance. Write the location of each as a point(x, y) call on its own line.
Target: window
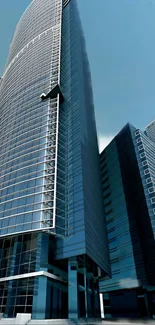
point(140, 147)
point(138, 140)
point(110, 220)
point(114, 249)
point(107, 204)
point(153, 199)
point(105, 188)
point(148, 180)
point(103, 165)
point(103, 158)
point(111, 230)
point(115, 272)
point(105, 180)
point(112, 239)
point(108, 212)
point(146, 171)
point(144, 163)
point(142, 155)
point(104, 173)
point(107, 195)
point(151, 189)
point(137, 132)
point(66, 2)
point(115, 260)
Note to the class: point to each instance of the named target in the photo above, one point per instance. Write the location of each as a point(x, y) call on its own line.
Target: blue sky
point(120, 36)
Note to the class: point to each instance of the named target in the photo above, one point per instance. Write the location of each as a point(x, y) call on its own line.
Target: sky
point(120, 38)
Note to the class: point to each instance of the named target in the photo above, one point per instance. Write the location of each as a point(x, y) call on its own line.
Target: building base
point(131, 303)
point(33, 282)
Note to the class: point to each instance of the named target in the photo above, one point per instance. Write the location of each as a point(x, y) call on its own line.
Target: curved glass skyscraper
point(53, 242)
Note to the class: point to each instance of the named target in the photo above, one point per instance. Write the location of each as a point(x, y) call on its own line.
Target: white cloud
point(104, 140)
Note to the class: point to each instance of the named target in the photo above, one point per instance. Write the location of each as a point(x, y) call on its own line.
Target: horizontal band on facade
point(31, 275)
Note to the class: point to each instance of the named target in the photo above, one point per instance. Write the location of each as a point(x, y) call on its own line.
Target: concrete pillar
point(39, 298)
point(55, 302)
point(147, 304)
point(72, 289)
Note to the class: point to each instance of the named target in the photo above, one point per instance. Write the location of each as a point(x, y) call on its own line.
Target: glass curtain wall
point(29, 125)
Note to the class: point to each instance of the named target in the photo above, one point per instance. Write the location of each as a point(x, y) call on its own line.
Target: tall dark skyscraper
point(128, 178)
point(53, 242)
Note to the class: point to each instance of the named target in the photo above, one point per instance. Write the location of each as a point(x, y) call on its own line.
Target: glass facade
point(28, 161)
point(18, 256)
point(83, 196)
point(150, 131)
point(118, 226)
point(52, 230)
point(145, 154)
point(127, 167)
point(32, 277)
